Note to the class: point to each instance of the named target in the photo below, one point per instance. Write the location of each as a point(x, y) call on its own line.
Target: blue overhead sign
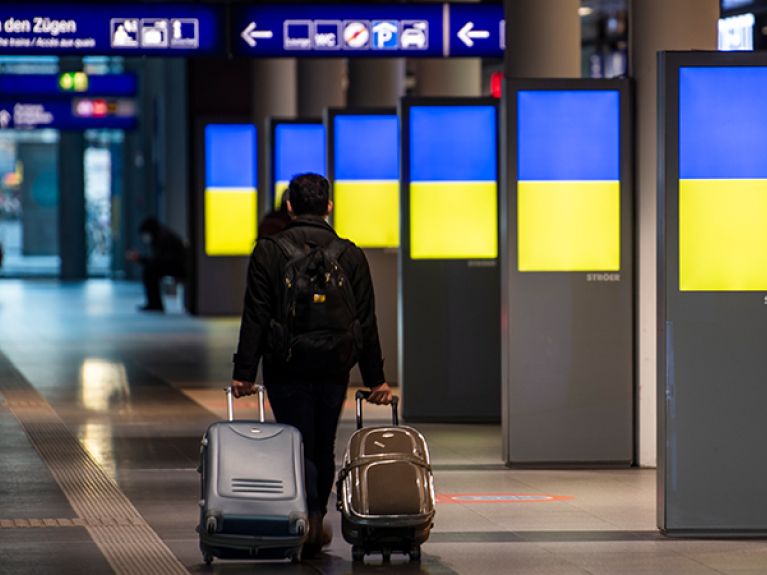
point(477, 30)
point(75, 114)
point(340, 30)
point(369, 30)
point(49, 85)
point(109, 29)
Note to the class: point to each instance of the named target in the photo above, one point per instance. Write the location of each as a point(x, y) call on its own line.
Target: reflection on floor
point(101, 415)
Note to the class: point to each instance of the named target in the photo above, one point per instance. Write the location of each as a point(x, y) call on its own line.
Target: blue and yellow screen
point(298, 148)
point(568, 194)
point(230, 189)
point(453, 182)
point(722, 179)
point(366, 173)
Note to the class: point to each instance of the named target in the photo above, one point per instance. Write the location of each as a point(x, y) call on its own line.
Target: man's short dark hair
point(309, 195)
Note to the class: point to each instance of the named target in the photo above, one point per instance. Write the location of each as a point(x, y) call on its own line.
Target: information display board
point(73, 114)
point(365, 175)
point(68, 85)
point(712, 234)
point(231, 176)
point(111, 29)
point(297, 147)
point(567, 274)
point(450, 283)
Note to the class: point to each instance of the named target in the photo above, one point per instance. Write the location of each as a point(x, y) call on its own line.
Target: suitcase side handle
point(230, 403)
point(364, 394)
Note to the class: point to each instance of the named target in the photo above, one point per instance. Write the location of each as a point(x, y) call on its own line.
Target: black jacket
point(262, 302)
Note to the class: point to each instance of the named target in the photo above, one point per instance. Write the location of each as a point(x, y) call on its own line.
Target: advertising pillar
point(449, 277)
point(712, 286)
point(567, 269)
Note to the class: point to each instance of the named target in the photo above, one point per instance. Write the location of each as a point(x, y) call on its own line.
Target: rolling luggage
point(253, 501)
point(386, 489)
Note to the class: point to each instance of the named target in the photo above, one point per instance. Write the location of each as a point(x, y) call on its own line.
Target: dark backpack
point(317, 330)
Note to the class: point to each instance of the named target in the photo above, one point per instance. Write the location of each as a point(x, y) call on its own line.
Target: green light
point(73, 81)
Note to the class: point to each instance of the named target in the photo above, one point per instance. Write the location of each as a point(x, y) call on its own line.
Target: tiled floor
point(137, 392)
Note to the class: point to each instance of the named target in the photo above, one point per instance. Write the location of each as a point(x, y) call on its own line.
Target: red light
point(100, 108)
point(496, 83)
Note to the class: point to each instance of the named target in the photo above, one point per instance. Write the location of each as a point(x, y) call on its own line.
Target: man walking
point(310, 313)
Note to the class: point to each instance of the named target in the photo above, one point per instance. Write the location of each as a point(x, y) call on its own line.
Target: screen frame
point(403, 110)
point(328, 118)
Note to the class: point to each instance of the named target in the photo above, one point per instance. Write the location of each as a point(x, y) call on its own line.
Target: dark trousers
point(152, 275)
point(313, 406)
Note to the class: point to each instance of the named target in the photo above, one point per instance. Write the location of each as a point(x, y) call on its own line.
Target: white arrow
point(250, 34)
point(5, 118)
point(467, 35)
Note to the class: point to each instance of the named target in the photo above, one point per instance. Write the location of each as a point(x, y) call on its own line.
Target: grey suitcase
point(253, 501)
point(385, 489)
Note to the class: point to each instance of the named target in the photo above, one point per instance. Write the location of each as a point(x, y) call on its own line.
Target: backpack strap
point(336, 248)
point(287, 247)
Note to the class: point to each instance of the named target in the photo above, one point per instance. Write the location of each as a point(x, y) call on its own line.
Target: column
point(322, 83)
point(448, 77)
point(375, 82)
point(275, 95)
point(655, 25)
point(72, 245)
point(543, 39)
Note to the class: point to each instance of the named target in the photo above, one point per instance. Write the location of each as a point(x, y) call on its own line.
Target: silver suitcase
point(253, 501)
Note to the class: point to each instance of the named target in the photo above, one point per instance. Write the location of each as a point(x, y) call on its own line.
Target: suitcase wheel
point(211, 524)
point(358, 554)
point(386, 553)
point(208, 558)
point(295, 557)
point(415, 553)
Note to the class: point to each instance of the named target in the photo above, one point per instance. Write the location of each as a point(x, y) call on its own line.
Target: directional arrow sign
point(467, 34)
point(251, 35)
point(475, 30)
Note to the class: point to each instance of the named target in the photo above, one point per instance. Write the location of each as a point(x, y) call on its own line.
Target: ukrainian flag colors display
point(230, 189)
point(568, 195)
point(298, 148)
point(366, 179)
point(723, 179)
point(453, 182)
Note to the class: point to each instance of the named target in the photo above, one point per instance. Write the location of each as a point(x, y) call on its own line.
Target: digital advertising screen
point(366, 178)
point(231, 169)
point(299, 147)
point(568, 180)
point(453, 182)
point(722, 179)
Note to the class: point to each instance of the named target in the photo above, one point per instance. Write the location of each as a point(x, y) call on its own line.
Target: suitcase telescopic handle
point(230, 403)
point(364, 394)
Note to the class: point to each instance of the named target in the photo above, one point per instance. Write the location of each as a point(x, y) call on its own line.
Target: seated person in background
point(167, 258)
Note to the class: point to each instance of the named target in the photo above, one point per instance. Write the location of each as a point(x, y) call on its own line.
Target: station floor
point(101, 413)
